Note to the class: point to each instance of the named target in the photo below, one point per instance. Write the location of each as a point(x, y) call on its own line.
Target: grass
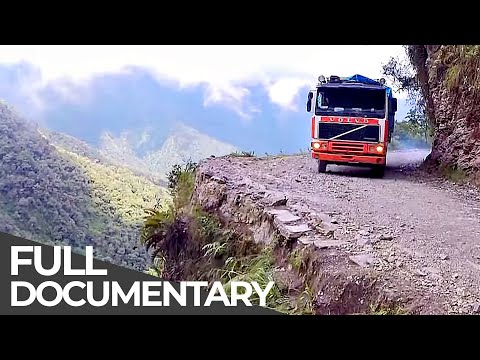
point(183, 191)
point(462, 63)
point(209, 226)
point(243, 154)
point(453, 174)
point(215, 249)
point(304, 303)
point(218, 253)
point(385, 310)
point(258, 268)
point(452, 78)
point(296, 259)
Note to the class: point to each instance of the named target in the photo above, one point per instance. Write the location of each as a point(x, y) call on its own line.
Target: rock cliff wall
point(450, 79)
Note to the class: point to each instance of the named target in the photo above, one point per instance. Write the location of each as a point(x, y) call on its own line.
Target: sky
point(226, 72)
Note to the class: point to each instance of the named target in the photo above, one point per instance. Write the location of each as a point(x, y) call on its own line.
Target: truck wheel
point(322, 166)
point(379, 171)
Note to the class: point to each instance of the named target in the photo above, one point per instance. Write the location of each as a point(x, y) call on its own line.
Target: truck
point(352, 122)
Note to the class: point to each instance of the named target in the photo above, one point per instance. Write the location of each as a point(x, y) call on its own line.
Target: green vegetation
point(461, 64)
point(158, 232)
point(152, 157)
point(243, 153)
point(416, 130)
point(385, 310)
point(453, 174)
point(73, 145)
point(413, 132)
point(54, 195)
point(108, 155)
point(188, 243)
point(258, 268)
point(183, 145)
point(296, 258)
point(118, 190)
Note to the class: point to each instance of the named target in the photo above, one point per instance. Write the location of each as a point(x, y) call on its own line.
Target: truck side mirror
point(309, 102)
point(394, 105)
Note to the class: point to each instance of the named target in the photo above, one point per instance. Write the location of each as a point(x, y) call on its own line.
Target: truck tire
point(322, 166)
point(379, 171)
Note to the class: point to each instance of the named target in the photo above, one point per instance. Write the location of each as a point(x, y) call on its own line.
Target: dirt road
point(417, 227)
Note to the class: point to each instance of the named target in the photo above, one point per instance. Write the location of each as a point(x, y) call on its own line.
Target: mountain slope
point(184, 144)
point(141, 151)
point(112, 152)
point(54, 195)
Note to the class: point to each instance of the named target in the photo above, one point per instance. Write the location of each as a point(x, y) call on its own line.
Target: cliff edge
point(353, 244)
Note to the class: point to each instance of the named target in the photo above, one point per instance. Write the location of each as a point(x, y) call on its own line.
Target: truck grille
point(345, 147)
point(369, 133)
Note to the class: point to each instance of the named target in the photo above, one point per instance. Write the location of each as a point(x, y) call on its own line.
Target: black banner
point(46, 280)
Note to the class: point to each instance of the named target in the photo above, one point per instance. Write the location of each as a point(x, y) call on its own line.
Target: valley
point(55, 188)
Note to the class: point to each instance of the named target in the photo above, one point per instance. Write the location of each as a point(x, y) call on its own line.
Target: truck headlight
point(320, 145)
point(376, 149)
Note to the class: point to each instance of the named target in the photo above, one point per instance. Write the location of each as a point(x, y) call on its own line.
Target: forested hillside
point(55, 195)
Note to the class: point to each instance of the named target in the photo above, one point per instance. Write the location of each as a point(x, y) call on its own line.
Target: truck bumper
point(349, 159)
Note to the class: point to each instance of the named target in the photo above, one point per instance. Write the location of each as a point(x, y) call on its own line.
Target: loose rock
point(476, 308)
point(363, 241)
point(287, 217)
point(420, 273)
point(276, 199)
point(295, 231)
point(305, 240)
point(363, 260)
point(324, 244)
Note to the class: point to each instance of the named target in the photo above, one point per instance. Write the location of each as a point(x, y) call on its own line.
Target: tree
point(401, 74)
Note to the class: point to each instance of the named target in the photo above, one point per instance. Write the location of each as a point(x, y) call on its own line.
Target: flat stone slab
point(306, 240)
point(287, 217)
point(362, 260)
point(277, 211)
point(363, 241)
point(295, 231)
point(283, 216)
point(325, 244)
point(276, 199)
point(329, 228)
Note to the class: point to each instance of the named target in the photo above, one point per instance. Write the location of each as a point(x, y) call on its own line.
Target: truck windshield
point(345, 101)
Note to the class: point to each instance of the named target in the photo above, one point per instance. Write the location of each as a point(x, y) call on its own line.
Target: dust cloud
point(412, 156)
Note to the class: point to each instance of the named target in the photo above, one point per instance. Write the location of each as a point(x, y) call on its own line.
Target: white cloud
point(283, 91)
point(226, 70)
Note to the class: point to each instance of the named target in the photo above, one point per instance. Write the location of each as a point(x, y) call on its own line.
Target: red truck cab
point(352, 122)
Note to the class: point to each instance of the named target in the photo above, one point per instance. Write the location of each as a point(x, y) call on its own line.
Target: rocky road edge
point(341, 282)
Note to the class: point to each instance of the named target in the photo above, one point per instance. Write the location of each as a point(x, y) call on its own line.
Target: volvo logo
point(349, 120)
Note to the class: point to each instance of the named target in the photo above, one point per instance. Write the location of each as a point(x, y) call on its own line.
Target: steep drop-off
point(352, 243)
point(57, 196)
point(449, 76)
point(141, 151)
